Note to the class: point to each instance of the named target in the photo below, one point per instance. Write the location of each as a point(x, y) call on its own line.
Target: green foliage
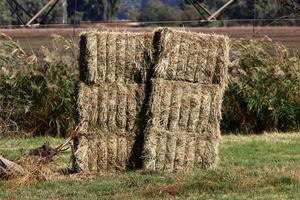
point(93, 10)
point(32, 7)
point(155, 10)
point(251, 167)
point(5, 15)
point(263, 92)
point(37, 99)
point(264, 88)
point(148, 10)
point(40, 101)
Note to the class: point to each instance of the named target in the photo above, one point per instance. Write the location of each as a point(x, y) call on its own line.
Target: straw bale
point(110, 114)
point(192, 116)
point(81, 154)
point(88, 57)
point(206, 154)
point(110, 107)
point(108, 57)
point(159, 91)
point(101, 57)
point(92, 159)
point(104, 152)
point(177, 105)
point(177, 151)
point(192, 57)
point(161, 152)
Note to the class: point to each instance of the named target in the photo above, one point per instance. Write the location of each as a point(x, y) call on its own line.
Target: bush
point(263, 92)
point(264, 88)
point(37, 99)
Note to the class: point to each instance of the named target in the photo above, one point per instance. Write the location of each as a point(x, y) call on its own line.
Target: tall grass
point(36, 98)
point(264, 88)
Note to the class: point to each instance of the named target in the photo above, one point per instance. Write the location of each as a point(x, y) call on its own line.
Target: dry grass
point(180, 82)
point(35, 169)
point(113, 72)
point(251, 167)
point(190, 76)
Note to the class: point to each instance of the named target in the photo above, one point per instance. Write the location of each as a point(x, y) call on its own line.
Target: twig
point(11, 165)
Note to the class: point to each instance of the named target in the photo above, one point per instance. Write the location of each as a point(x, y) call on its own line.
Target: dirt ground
point(33, 38)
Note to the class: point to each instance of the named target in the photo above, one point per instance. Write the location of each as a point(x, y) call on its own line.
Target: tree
point(93, 10)
point(5, 14)
point(155, 10)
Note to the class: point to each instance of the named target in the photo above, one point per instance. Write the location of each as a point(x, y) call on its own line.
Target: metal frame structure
point(14, 5)
point(204, 12)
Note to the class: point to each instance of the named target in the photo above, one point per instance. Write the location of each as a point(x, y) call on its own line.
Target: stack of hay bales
point(113, 69)
point(160, 91)
point(185, 106)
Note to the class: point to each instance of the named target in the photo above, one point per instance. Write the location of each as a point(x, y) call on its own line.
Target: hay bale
point(110, 115)
point(108, 57)
point(168, 86)
point(104, 152)
point(110, 107)
point(179, 151)
point(174, 133)
point(192, 57)
point(113, 69)
point(190, 76)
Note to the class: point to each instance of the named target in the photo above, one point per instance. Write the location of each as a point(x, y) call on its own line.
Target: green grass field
point(251, 167)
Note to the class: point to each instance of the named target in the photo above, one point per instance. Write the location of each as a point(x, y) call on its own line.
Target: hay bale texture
point(162, 90)
point(109, 57)
point(113, 67)
point(183, 127)
point(192, 57)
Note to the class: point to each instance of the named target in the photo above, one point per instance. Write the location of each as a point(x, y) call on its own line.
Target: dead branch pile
point(36, 166)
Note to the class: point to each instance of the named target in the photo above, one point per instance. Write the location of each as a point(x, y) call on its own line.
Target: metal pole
point(40, 12)
point(220, 10)
point(254, 18)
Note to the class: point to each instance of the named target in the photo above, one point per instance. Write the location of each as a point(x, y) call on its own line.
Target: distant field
point(35, 37)
point(251, 167)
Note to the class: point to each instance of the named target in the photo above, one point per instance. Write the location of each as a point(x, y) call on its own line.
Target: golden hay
point(187, 110)
point(160, 91)
point(35, 169)
point(111, 123)
point(110, 107)
point(107, 57)
point(104, 152)
point(192, 57)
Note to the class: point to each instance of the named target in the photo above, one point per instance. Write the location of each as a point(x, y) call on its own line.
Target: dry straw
point(185, 106)
point(108, 57)
point(113, 70)
point(174, 79)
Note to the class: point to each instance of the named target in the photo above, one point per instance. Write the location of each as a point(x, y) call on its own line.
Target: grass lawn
point(251, 167)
